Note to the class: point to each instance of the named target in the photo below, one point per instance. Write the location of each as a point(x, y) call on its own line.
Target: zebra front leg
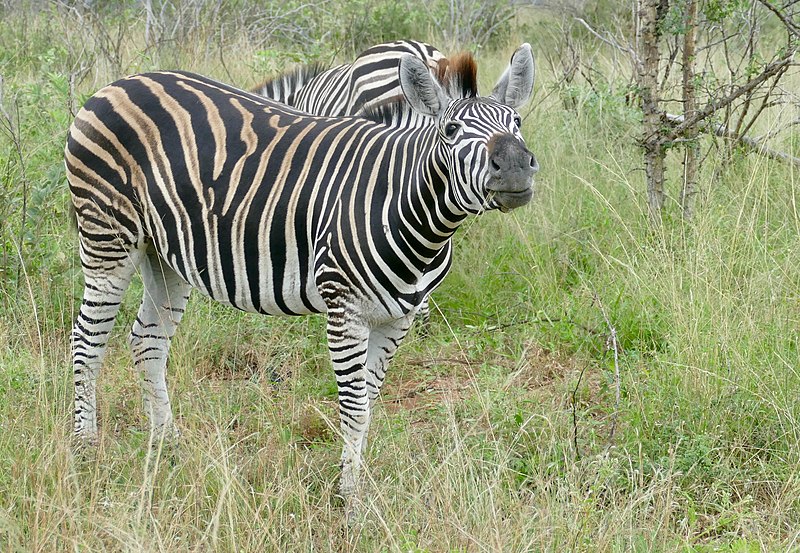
point(383, 343)
point(163, 303)
point(347, 341)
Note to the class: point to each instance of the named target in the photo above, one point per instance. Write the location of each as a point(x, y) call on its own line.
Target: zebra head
point(487, 162)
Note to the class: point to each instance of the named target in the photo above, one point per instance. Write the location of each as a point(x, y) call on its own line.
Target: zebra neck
point(427, 206)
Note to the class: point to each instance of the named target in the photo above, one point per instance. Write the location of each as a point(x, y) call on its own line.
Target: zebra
point(196, 184)
point(351, 88)
point(370, 81)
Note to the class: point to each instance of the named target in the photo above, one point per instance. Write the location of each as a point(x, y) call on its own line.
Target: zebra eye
point(518, 121)
point(451, 128)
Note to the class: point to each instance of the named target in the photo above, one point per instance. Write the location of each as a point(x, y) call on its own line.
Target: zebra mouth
point(507, 200)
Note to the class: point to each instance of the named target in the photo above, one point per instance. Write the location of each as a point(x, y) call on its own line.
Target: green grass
point(473, 443)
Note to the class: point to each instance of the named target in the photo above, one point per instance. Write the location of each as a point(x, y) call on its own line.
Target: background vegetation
point(592, 382)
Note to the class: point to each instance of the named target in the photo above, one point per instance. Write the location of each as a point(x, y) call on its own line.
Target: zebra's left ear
point(516, 85)
point(422, 92)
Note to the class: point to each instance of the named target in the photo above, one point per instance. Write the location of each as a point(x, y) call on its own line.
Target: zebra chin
point(506, 201)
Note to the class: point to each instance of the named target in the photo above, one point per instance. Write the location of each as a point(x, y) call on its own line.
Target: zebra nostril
point(534, 163)
point(494, 165)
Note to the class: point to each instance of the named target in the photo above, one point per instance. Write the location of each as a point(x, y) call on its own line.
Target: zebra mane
point(280, 87)
point(457, 75)
point(389, 112)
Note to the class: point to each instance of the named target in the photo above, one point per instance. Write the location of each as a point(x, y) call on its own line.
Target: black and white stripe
point(196, 184)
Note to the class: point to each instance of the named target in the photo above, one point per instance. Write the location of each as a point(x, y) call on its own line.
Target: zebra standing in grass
point(371, 81)
point(196, 184)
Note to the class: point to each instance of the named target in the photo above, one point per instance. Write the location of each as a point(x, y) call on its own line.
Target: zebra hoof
point(352, 506)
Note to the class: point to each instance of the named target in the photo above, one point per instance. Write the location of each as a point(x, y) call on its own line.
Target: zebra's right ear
point(421, 91)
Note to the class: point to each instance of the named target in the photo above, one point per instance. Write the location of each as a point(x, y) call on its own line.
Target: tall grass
point(474, 442)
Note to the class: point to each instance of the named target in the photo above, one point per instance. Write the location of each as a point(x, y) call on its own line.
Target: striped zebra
point(195, 184)
point(351, 88)
point(370, 81)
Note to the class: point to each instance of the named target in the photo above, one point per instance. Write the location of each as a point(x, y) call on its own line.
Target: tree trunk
point(689, 108)
point(652, 141)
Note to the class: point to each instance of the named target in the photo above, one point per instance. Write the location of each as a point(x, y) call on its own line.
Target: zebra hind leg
point(423, 318)
point(163, 303)
point(108, 268)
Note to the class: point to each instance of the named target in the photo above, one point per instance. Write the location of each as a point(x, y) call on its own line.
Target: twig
point(790, 26)
point(777, 130)
point(610, 41)
point(14, 135)
point(575, 413)
point(532, 320)
point(611, 343)
point(751, 143)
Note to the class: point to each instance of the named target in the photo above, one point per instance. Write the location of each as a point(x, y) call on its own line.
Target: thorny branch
point(788, 23)
point(755, 144)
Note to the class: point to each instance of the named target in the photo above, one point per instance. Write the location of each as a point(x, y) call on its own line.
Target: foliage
point(713, 66)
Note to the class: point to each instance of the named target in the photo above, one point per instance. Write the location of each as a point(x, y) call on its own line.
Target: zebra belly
point(242, 298)
point(256, 282)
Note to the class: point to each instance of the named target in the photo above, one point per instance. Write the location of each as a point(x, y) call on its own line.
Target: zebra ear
point(421, 91)
point(516, 85)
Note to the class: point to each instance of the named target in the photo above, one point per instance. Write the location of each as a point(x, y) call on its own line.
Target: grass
point(474, 442)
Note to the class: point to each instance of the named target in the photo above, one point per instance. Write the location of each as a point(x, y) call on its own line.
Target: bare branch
point(575, 412)
point(610, 41)
point(749, 142)
point(613, 345)
point(776, 131)
point(788, 23)
point(771, 70)
point(14, 135)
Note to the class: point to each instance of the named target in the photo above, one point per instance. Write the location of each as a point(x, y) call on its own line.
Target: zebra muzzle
point(511, 170)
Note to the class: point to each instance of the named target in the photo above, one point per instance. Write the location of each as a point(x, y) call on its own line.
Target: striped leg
point(383, 343)
point(347, 342)
point(359, 357)
point(108, 268)
point(163, 304)
point(424, 318)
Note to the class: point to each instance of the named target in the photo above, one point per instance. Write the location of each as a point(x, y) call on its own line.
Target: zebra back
point(282, 87)
point(350, 88)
